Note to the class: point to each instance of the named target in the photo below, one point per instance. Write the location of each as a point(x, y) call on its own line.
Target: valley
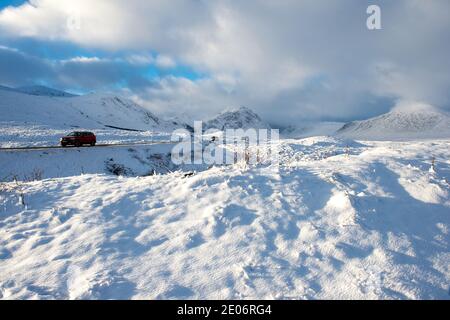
point(358, 213)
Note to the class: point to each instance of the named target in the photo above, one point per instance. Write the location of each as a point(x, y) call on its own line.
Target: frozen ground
point(336, 219)
point(26, 165)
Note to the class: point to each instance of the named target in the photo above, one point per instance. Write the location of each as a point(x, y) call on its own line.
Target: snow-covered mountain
point(44, 91)
point(311, 129)
point(240, 118)
point(405, 121)
point(89, 111)
point(181, 120)
point(39, 91)
point(4, 88)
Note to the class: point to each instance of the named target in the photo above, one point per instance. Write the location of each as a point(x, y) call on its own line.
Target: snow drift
point(335, 220)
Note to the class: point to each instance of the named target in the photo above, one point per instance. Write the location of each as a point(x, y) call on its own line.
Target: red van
point(79, 138)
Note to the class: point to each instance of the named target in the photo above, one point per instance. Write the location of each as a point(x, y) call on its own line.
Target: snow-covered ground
point(13, 135)
point(132, 160)
point(336, 219)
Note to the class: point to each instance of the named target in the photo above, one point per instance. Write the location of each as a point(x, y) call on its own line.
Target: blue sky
point(305, 60)
point(56, 51)
point(6, 3)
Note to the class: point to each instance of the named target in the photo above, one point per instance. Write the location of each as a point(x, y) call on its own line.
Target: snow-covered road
point(18, 135)
point(335, 220)
point(104, 145)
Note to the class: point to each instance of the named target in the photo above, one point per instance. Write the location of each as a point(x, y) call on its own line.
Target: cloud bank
point(288, 60)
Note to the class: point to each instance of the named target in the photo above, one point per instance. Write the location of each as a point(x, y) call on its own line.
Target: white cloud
point(140, 59)
point(174, 95)
point(308, 58)
point(164, 61)
point(6, 48)
point(83, 60)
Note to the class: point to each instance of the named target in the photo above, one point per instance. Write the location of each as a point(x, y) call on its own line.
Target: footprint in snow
point(176, 292)
point(103, 285)
point(195, 241)
point(41, 241)
point(5, 254)
point(157, 242)
point(61, 214)
point(43, 292)
point(236, 215)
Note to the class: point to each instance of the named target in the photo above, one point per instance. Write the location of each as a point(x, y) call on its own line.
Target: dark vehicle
point(79, 138)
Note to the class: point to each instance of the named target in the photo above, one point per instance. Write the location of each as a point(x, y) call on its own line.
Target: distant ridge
point(407, 120)
point(39, 91)
point(237, 118)
point(44, 91)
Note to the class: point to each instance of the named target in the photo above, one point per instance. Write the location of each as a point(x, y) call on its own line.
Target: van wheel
point(92, 144)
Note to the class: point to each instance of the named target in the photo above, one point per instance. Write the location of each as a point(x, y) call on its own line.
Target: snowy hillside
point(89, 111)
point(44, 91)
point(406, 121)
point(311, 129)
point(39, 91)
point(4, 88)
point(235, 119)
point(335, 220)
point(137, 160)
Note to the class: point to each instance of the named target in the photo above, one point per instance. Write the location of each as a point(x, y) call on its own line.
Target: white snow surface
point(337, 219)
point(136, 160)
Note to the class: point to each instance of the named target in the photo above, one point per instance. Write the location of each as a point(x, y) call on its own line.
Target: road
point(109, 145)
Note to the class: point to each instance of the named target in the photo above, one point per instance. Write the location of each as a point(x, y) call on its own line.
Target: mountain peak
point(237, 118)
point(406, 120)
point(414, 107)
point(238, 109)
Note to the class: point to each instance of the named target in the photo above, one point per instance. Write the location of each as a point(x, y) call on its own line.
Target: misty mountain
point(407, 121)
point(240, 118)
point(311, 129)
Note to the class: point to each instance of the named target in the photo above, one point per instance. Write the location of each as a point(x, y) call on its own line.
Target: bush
point(117, 169)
